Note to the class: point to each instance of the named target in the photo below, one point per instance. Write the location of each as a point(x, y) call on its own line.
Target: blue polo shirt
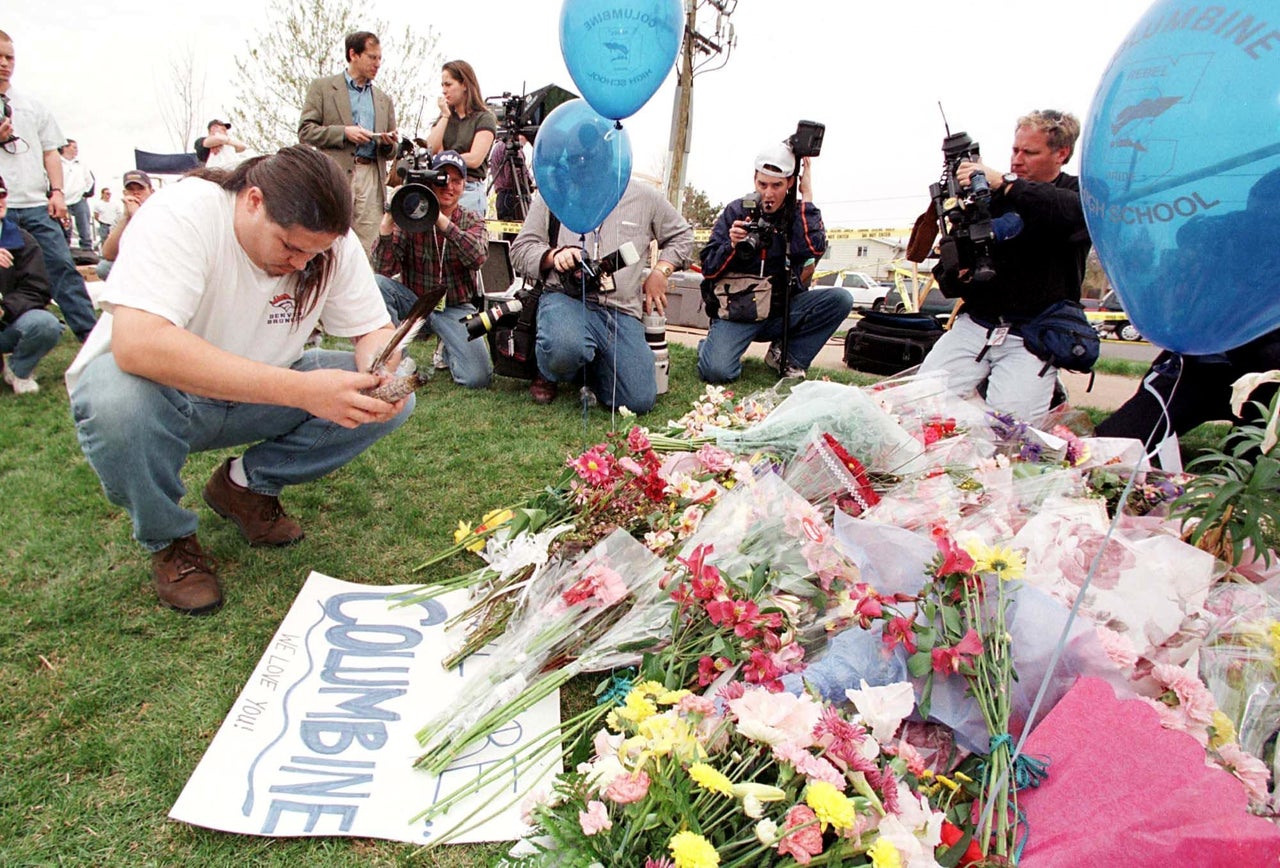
point(362, 112)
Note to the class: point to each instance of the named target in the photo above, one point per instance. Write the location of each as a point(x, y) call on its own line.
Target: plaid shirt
point(464, 245)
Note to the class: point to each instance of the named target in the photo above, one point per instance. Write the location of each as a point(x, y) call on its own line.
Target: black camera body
point(414, 206)
point(966, 229)
point(760, 228)
point(597, 274)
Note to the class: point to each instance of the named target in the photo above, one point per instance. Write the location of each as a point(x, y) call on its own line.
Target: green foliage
point(697, 208)
point(1235, 497)
point(302, 41)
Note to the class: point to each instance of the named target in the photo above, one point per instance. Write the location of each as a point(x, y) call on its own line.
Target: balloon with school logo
point(1180, 173)
point(582, 163)
point(620, 51)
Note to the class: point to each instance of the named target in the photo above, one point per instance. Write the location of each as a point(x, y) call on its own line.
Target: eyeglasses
point(4, 194)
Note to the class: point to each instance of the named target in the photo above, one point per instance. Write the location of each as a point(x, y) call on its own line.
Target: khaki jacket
point(327, 111)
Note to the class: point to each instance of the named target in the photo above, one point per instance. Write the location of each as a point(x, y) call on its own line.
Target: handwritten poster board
point(321, 739)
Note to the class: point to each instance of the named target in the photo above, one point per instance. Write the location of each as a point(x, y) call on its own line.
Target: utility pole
point(695, 45)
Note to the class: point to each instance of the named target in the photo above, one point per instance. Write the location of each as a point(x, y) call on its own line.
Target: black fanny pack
point(1062, 337)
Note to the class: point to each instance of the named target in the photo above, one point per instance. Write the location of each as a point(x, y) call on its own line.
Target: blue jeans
point(469, 362)
point(815, 315)
point(65, 283)
point(29, 339)
point(137, 435)
point(79, 213)
point(473, 197)
point(606, 346)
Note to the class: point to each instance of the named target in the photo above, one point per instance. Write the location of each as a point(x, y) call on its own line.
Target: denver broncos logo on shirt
point(283, 313)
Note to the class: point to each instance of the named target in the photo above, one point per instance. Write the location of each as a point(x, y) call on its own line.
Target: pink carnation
point(804, 844)
point(1118, 648)
point(1251, 771)
point(625, 789)
point(775, 718)
point(715, 459)
point(815, 768)
point(1193, 697)
point(595, 818)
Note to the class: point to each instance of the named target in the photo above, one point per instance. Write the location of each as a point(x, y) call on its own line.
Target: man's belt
point(364, 161)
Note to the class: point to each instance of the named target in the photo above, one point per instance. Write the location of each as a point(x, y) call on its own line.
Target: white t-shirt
point(23, 171)
point(75, 181)
point(180, 260)
point(227, 158)
point(106, 213)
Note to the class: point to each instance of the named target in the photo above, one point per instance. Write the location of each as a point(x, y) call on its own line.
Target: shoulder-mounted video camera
point(414, 206)
point(964, 216)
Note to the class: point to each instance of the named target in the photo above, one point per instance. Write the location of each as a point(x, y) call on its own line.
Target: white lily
point(1242, 388)
point(883, 708)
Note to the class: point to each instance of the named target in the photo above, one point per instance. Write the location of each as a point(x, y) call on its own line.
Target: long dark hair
point(300, 187)
point(461, 71)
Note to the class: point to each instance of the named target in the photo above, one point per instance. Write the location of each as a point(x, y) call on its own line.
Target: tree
point(698, 210)
point(303, 40)
point(181, 96)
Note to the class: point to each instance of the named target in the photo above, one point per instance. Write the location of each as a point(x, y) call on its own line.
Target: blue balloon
point(582, 163)
point(620, 52)
point(1180, 174)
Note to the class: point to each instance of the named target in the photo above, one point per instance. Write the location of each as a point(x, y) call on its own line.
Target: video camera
point(414, 206)
point(964, 218)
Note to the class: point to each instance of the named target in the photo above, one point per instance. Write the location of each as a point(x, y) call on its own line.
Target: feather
point(414, 320)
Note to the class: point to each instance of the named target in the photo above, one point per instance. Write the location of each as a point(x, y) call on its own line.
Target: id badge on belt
point(997, 335)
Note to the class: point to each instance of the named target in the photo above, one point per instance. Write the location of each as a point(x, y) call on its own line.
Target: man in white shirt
point(220, 281)
point(29, 162)
point(76, 181)
point(219, 149)
point(105, 213)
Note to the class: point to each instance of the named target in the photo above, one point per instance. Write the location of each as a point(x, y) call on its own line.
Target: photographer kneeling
point(762, 250)
point(1037, 267)
point(448, 254)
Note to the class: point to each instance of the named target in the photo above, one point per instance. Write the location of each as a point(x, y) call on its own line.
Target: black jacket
point(1043, 263)
point(24, 286)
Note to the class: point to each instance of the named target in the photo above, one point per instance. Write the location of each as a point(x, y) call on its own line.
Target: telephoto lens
point(655, 335)
point(479, 323)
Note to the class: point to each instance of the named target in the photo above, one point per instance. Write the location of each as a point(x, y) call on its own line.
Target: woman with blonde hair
point(465, 125)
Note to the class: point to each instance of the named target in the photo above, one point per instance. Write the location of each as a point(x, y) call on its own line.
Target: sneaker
point(21, 385)
point(260, 517)
point(184, 577)
point(543, 391)
point(773, 358)
point(439, 360)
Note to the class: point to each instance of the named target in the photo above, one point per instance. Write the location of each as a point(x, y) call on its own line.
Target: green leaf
point(920, 664)
point(951, 620)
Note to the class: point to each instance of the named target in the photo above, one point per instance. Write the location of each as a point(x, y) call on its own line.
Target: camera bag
point(1062, 337)
point(514, 348)
point(888, 343)
point(741, 298)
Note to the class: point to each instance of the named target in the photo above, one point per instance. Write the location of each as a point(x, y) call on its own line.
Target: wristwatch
point(666, 268)
point(1007, 178)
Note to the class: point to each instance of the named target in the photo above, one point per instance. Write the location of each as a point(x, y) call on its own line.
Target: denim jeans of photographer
point(79, 214)
point(607, 347)
point(137, 435)
point(469, 362)
point(815, 315)
point(65, 283)
point(473, 197)
point(29, 340)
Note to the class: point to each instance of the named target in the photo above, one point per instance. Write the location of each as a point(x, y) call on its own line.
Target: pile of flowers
point(749, 777)
point(959, 566)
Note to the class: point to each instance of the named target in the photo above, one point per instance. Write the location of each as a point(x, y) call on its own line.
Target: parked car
point(868, 293)
point(1108, 318)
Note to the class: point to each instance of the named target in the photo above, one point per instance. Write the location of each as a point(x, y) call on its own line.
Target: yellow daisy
point(691, 850)
point(831, 805)
point(1004, 562)
point(711, 779)
point(884, 855)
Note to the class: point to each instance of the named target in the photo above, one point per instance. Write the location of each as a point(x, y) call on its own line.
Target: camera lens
point(414, 208)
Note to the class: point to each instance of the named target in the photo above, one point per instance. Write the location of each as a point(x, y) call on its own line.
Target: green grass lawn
point(109, 701)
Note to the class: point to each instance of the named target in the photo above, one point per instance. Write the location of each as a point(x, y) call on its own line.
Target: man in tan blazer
point(355, 123)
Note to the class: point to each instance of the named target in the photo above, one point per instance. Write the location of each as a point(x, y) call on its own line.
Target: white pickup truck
point(867, 292)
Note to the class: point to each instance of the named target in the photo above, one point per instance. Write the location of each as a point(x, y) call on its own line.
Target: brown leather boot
point(543, 391)
point(184, 577)
point(260, 517)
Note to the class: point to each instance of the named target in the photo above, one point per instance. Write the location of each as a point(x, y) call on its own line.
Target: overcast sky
point(873, 72)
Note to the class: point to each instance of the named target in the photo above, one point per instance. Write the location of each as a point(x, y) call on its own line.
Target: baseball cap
point(776, 161)
point(226, 124)
point(451, 159)
point(136, 176)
